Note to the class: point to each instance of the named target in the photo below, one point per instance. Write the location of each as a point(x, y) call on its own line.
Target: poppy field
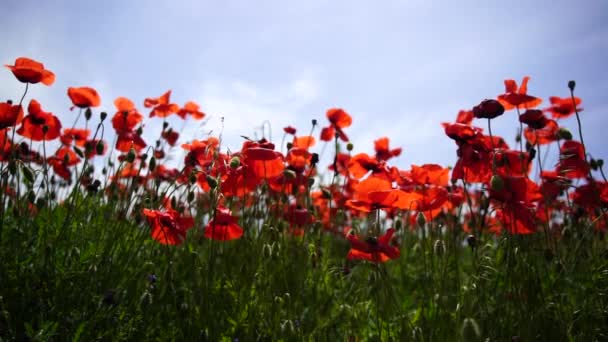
point(102, 238)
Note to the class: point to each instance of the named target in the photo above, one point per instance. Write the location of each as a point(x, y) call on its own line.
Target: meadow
point(102, 239)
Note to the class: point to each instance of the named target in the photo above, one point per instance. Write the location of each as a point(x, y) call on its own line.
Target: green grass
point(90, 277)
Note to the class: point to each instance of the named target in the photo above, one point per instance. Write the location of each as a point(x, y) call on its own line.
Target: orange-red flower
point(83, 97)
point(162, 107)
point(562, 108)
point(338, 119)
point(78, 136)
point(223, 226)
point(191, 108)
point(169, 227)
point(37, 121)
point(30, 71)
point(10, 115)
point(127, 117)
point(488, 109)
point(518, 97)
point(383, 152)
point(572, 162)
point(372, 249)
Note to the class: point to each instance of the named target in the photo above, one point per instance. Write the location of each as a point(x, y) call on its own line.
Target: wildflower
point(223, 226)
point(191, 108)
point(162, 107)
point(518, 97)
point(488, 109)
point(372, 249)
point(168, 227)
point(562, 108)
point(84, 97)
point(39, 125)
point(10, 115)
point(30, 71)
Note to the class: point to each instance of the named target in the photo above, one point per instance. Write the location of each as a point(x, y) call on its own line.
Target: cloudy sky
point(400, 68)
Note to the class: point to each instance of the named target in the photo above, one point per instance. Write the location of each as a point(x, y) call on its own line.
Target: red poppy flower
point(262, 159)
point(37, 121)
point(127, 117)
point(67, 155)
point(94, 148)
point(465, 117)
point(84, 97)
point(306, 141)
point(430, 174)
point(10, 115)
point(223, 227)
point(543, 136)
point(289, 130)
point(129, 139)
point(572, 162)
point(382, 150)
point(488, 109)
point(518, 97)
point(170, 136)
point(372, 249)
point(78, 136)
point(162, 107)
point(191, 108)
point(168, 228)
point(298, 158)
point(562, 108)
point(534, 118)
point(30, 71)
point(338, 119)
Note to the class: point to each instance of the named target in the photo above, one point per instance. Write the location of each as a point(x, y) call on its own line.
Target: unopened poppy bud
point(421, 220)
point(289, 145)
point(131, 155)
point(314, 122)
point(289, 174)
point(152, 164)
point(593, 164)
point(88, 113)
point(314, 158)
point(398, 225)
point(564, 133)
point(496, 183)
point(212, 181)
point(190, 196)
point(10, 102)
point(165, 125)
point(192, 178)
point(139, 130)
point(143, 157)
point(31, 196)
point(439, 247)
point(235, 162)
point(600, 163)
point(45, 129)
point(311, 182)
point(99, 147)
point(12, 167)
point(173, 202)
point(349, 146)
point(326, 194)
point(66, 158)
point(103, 115)
point(572, 85)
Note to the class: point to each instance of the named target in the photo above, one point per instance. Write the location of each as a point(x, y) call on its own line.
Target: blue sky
point(400, 68)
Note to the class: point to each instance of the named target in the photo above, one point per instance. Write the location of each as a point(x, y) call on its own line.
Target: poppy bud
point(311, 182)
point(564, 133)
point(88, 113)
point(398, 225)
point(289, 174)
point(143, 157)
point(139, 130)
point(349, 146)
point(45, 129)
point(99, 147)
point(289, 145)
point(496, 183)
point(12, 167)
point(131, 155)
point(488, 109)
point(235, 162)
point(314, 122)
point(326, 194)
point(103, 115)
point(600, 163)
point(152, 164)
point(314, 159)
point(192, 178)
point(571, 84)
point(190, 196)
point(421, 220)
point(31, 196)
point(211, 181)
point(165, 125)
